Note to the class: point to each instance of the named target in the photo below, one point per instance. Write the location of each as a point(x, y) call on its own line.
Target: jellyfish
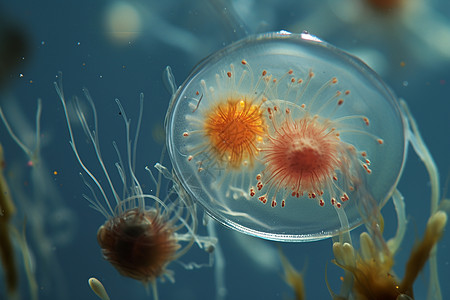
point(143, 233)
point(282, 135)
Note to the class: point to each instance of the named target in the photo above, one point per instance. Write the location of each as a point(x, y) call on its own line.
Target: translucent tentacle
point(395, 242)
point(434, 289)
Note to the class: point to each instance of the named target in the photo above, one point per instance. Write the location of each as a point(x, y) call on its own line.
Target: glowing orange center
point(234, 128)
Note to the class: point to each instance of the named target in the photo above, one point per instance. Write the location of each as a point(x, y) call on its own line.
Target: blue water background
point(71, 37)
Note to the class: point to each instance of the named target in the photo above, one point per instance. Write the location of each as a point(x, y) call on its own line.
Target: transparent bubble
point(276, 135)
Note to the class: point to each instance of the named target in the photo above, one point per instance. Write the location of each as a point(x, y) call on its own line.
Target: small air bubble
point(405, 83)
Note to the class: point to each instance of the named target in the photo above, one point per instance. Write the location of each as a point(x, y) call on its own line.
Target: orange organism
point(234, 128)
point(228, 126)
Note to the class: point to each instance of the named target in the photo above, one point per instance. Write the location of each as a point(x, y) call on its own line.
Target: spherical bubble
point(279, 133)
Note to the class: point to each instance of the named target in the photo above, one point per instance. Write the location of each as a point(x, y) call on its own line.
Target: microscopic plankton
point(143, 233)
point(282, 136)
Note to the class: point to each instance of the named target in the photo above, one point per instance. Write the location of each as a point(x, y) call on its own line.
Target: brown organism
point(142, 233)
point(139, 244)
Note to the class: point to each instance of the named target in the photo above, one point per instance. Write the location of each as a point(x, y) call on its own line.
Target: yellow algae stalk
point(7, 210)
point(293, 278)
